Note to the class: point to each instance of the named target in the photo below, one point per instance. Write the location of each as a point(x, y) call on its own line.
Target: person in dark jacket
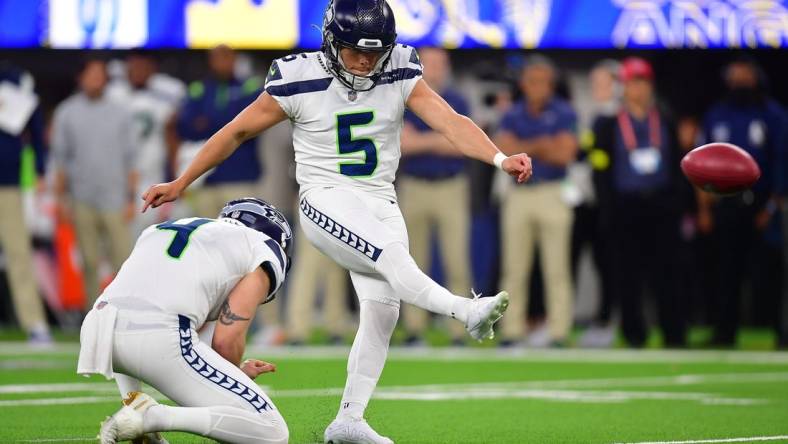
point(750, 119)
point(636, 198)
point(211, 104)
point(15, 240)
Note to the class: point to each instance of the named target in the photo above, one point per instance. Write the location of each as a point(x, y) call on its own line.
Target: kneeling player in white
point(180, 278)
point(346, 104)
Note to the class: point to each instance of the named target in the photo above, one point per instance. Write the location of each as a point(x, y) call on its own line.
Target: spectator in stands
point(433, 188)
point(750, 119)
point(542, 126)
point(606, 87)
point(94, 155)
point(637, 199)
point(211, 104)
point(15, 240)
point(152, 98)
point(606, 101)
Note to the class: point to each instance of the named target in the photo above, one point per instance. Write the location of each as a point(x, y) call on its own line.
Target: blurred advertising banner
point(242, 23)
point(98, 23)
point(284, 24)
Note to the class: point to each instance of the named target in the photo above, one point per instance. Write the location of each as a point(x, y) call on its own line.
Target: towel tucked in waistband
point(95, 341)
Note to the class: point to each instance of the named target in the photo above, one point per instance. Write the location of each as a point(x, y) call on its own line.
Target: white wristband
point(498, 159)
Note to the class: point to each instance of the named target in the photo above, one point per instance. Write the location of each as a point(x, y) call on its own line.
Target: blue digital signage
point(285, 24)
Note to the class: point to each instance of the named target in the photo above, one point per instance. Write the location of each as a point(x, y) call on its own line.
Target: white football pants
point(366, 234)
point(216, 398)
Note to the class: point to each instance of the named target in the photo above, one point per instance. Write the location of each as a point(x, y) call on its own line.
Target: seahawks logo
point(274, 215)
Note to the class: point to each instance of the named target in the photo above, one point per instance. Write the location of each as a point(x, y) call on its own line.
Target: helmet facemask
point(336, 65)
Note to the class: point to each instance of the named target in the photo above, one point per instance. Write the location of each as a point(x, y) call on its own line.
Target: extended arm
point(415, 142)
point(235, 315)
point(463, 134)
point(262, 114)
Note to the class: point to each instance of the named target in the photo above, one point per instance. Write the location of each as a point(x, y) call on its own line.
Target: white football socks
point(415, 287)
point(222, 423)
point(127, 384)
point(367, 356)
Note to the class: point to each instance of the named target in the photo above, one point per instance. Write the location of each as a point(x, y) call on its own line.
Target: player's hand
point(518, 166)
point(161, 193)
point(256, 367)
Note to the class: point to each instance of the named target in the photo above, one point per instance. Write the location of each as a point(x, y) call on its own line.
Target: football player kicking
point(346, 103)
point(180, 277)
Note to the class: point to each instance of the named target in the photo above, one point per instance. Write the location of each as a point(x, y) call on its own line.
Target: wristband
point(498, 160)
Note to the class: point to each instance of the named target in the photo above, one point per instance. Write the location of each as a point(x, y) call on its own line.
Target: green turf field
point(446, 395)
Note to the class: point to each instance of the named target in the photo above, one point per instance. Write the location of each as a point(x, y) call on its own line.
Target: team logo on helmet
point(261, 216)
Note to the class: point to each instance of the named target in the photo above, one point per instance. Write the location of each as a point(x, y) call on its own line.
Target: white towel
point(95, 341)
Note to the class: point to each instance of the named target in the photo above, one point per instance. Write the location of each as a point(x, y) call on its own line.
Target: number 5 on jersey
point(347, 144)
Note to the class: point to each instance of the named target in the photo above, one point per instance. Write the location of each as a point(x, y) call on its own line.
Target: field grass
point(447, 395)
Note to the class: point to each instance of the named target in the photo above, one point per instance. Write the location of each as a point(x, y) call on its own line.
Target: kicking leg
point(365, 236)
point(414, 287)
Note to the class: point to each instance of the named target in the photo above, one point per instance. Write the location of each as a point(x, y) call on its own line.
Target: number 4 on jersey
point(346, 144)
point(182, 234)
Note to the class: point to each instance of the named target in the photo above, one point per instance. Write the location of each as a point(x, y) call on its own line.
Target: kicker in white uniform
point(346, 104)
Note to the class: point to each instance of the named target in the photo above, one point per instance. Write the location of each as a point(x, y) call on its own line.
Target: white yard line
point(59, 401)
point(448, 392)
point(59, 388)
point(599, 383)
point(34, 364)
point(59, 440)
point(703, 441)
point(461, 354)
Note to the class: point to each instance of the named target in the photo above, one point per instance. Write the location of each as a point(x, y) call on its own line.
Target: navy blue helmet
point(261, 216)
point(365, 25)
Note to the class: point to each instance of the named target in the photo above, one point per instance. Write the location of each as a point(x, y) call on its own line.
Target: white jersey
point(189, 266)
point(151, 108)
point(342, 137)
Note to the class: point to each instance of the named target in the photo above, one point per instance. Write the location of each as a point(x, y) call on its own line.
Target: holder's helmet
point(259, 215)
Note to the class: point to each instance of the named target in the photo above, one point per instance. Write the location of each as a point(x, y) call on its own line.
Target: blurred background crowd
point(607, 242)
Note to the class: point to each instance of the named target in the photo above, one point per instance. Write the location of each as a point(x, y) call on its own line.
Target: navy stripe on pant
point(217, 377)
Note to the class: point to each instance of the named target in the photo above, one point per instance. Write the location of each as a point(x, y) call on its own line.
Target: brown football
point(720, 168)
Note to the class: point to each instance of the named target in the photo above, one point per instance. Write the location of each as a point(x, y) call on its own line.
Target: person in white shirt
point(152, 98)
